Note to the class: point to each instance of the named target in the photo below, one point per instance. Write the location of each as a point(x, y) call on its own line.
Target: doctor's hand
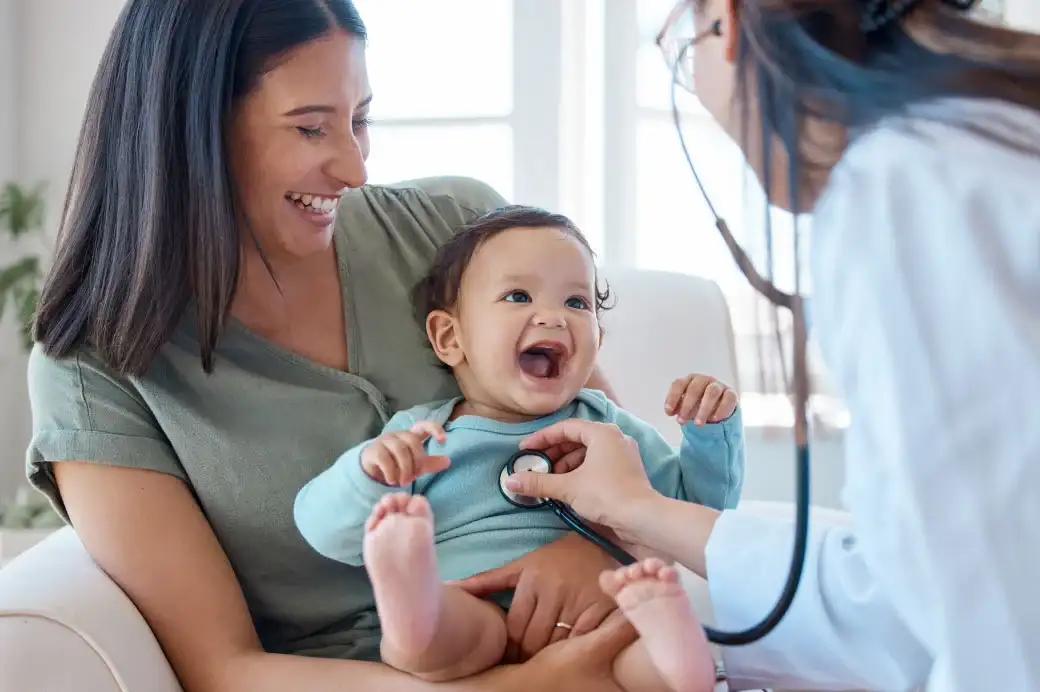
point(610, 481)
point(399, 457)
point(700, 398)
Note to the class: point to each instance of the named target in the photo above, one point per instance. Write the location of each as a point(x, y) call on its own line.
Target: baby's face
point(528, 322)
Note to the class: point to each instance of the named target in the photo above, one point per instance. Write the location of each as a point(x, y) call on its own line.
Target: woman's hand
point(556, 583)
point(609, 486)
point(577, 664)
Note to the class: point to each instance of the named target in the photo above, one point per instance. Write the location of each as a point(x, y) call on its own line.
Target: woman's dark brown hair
point(854, 62)
point(150, 222)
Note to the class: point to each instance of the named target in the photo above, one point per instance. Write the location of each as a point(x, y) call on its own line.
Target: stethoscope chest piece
point(523, 461)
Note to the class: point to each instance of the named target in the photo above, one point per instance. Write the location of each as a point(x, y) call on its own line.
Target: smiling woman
point(226, 313)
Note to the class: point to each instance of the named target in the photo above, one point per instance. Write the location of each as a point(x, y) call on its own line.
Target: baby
point(512, 306)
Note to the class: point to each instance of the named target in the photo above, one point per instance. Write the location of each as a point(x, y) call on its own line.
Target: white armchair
point(64, 625)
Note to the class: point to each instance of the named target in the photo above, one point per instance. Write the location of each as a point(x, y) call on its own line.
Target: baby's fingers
point(403, 466)
point(709, 402)
point(692, 397)
point(727, 405)
point(430, 464)
point(675, 396)
point(428, 428)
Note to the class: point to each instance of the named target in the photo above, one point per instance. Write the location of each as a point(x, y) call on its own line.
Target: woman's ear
point(731, 28)
point(443, 332)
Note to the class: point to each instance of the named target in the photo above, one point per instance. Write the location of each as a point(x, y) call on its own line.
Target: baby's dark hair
point(439, 289)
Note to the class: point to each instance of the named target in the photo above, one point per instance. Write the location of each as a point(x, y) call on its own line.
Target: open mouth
point(315, 204)
point(543, 360)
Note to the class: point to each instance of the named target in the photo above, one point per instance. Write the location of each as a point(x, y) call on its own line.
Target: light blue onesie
point(476, 529)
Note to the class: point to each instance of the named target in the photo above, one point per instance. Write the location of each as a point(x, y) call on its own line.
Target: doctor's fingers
point(569, 460)
point(585, 432)
point(553, 486)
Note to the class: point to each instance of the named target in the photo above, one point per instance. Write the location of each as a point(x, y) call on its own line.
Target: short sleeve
point(467, 197)
point(82, 411)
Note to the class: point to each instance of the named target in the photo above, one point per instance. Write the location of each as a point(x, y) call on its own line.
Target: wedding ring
point(565, 626)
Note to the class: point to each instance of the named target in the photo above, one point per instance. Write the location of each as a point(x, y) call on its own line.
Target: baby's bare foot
point(650, 595)
point(402, 564)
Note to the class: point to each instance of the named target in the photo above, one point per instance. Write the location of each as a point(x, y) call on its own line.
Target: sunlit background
point(560, 103)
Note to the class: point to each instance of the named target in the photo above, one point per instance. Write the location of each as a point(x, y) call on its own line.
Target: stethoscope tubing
point(575, 523)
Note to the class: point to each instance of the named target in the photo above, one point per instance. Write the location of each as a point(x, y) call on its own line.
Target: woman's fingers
point(589, 620)
point(520, 612)
point(531, 484)
point(570, 461)
point(570, 430)
point(492, 581)
point(539, 629)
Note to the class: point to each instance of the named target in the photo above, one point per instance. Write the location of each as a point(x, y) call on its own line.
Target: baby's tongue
point(535, 364)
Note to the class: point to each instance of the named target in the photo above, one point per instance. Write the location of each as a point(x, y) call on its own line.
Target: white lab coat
point(926, 275)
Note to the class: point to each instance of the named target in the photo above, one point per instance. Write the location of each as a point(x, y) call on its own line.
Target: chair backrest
point(663, 325)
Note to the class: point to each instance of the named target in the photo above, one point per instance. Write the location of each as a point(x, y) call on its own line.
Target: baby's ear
point(442, 331)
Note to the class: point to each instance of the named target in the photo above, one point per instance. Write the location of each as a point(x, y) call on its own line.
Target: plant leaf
point(21, 210)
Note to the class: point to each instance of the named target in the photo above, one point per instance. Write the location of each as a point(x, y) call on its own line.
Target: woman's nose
point(348, 167)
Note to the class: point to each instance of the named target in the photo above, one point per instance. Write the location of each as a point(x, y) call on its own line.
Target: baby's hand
point(701, 398)
point(399, 457)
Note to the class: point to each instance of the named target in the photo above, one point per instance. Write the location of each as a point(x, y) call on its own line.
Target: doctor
point(913, 136)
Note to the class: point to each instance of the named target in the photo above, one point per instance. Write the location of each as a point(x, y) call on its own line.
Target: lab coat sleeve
point(841, 632)
point(331, 509)
point(707, 468)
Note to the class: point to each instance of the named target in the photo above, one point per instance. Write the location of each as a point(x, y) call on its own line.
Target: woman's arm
point(148, 534)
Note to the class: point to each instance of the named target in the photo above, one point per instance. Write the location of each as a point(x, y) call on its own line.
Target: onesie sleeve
point(708, 467)
point(331, 509)
point(84, 411)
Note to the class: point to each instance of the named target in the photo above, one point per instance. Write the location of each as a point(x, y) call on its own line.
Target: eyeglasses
point(676, 40)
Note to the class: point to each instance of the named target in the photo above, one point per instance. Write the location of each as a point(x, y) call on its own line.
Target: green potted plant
point(28, 517)
point(21, 216)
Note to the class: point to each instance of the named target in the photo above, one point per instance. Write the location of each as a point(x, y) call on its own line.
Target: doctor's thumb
point(541, 485)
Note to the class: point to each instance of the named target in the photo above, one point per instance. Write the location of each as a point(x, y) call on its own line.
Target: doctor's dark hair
point(439, 288)
point(151, 215)
point(854, 62)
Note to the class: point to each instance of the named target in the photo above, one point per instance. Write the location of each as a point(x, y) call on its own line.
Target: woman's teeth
point(314, 203)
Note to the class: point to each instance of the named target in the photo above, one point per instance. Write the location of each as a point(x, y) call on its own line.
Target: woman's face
point(298, 140)
point(716, 84)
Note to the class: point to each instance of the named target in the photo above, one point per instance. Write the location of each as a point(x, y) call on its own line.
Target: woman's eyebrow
point(322, 108)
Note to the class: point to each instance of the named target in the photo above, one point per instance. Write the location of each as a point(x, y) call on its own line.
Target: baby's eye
point(518, 297)
point(577, 303)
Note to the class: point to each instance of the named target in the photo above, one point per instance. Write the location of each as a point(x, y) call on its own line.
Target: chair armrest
point(65, 625)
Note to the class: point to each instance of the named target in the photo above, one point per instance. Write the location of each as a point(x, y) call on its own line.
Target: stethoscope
point(540, 463)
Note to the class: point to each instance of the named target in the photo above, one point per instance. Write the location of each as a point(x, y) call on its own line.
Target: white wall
point(49, 50)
